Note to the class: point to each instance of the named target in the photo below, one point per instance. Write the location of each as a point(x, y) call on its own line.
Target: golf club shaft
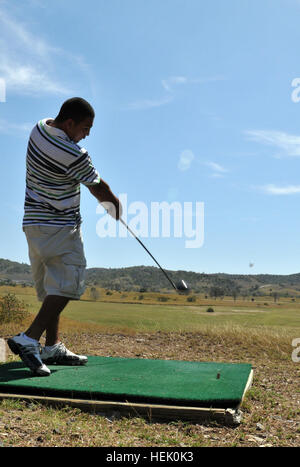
point(133, 234)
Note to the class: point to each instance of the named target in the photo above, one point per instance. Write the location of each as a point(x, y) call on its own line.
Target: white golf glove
point(110, 208)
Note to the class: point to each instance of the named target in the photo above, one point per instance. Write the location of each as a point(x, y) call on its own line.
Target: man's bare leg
point(52, 334)
point(47, 319)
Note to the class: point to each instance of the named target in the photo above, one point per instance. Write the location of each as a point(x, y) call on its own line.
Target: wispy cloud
point(187, 157)
point(289, 146)
point(217, 170)
point(14, 128)
point(28, 79)
point(169, 85)
point(150, 103)
point(280, 190)
point(27, 63)
point(185, 160)
point(287, 143)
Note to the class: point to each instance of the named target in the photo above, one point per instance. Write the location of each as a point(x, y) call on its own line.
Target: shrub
point(12, 309)
point(210, 310)
point(191, 299)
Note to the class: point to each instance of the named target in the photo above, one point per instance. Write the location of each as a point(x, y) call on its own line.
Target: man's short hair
point(75, 108)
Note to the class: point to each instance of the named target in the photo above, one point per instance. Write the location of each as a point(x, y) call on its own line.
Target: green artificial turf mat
point(197, 384)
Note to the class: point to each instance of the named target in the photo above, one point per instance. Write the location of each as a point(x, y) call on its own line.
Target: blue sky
point(194, 103)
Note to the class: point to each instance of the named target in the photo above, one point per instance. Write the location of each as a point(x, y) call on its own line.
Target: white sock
point(48, 348)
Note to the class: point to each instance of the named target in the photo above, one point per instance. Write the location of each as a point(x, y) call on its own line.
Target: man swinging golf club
point(55, 168)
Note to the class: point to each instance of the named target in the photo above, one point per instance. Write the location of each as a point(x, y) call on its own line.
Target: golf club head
point(182, 287)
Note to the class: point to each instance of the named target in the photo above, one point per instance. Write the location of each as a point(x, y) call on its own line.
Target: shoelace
point(62, 349)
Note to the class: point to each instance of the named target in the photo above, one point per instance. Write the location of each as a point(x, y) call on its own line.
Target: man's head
point(75, 118)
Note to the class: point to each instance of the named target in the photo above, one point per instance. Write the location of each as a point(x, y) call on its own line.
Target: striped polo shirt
point(55, 167)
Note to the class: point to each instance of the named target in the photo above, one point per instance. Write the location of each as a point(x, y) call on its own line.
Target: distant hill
point(149, 278)
point(11, 270)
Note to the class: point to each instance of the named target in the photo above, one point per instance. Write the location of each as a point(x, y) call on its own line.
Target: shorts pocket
point(73, 279)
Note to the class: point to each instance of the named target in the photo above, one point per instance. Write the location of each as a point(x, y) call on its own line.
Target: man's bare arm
point(103, 194)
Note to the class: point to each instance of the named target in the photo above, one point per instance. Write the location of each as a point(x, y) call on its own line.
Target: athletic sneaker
point(29, 352)
point(60, 355)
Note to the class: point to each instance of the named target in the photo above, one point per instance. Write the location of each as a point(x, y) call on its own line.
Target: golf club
point(181, 285)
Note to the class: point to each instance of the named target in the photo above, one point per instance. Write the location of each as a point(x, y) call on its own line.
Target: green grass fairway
point(140, 317)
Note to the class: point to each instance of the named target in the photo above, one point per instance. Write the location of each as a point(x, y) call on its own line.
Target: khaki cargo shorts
point(57, 260)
